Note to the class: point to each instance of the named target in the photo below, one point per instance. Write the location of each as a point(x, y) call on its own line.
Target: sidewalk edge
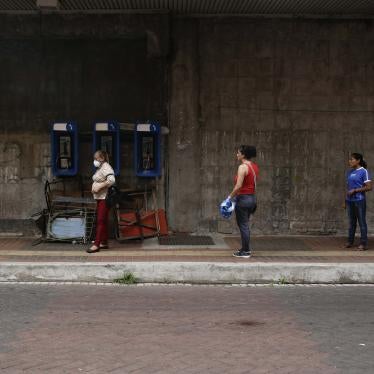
point(191, 272)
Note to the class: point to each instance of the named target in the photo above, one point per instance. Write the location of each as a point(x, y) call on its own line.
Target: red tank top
point(249, 185)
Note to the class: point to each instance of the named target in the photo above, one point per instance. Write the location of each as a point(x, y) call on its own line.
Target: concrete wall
point(84, 68)
point(300, 90)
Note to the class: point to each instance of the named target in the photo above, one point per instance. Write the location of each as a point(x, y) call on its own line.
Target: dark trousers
point(102, 213)
point(357, 212)
point(245, 206)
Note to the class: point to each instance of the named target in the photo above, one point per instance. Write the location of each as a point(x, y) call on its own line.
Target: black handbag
point(113, 195)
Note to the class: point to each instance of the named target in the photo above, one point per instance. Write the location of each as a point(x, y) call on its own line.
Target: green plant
point(127, 278)
point(283, 280)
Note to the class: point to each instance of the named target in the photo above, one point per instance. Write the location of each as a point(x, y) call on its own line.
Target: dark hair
point(103, 154)
point(360, 159)
point(249, 151)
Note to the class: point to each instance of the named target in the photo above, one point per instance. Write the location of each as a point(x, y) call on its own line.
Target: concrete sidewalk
point(276, 260)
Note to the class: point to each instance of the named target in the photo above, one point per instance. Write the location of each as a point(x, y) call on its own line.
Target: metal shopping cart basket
point(67, 218)
point(71, 219)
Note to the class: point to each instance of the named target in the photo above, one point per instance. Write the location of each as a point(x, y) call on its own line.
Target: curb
point(190, 272)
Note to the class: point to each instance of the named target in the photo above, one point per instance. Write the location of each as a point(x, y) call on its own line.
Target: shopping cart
point(71, 219)
point(67, 218)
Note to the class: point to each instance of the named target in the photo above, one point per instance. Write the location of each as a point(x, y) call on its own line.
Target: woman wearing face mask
point(358, 183)
point(102, 180)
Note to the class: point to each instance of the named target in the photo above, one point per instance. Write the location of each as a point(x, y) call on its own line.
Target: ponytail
point(360, 159)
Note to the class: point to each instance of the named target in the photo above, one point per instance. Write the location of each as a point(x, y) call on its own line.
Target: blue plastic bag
point(226, 208)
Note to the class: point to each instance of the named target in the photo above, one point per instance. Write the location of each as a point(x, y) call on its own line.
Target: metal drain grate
point(185, 240)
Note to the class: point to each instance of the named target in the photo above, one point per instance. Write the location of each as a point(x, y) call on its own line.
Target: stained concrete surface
point(82, 68)
point(298, 89)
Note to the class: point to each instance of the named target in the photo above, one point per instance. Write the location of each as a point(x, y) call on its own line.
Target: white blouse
point(104, 173)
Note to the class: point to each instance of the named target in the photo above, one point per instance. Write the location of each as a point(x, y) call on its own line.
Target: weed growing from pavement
point(127, 278)
point(283, 280)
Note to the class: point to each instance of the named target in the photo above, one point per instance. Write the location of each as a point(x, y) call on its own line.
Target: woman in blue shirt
point(358, 182)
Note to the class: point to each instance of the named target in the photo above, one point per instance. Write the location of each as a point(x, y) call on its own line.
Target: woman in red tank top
point(244, 194)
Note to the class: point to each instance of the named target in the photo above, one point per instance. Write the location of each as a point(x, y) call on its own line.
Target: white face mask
point(97, 163)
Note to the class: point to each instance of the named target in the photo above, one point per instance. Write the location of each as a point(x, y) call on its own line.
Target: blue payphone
point(106, 137)
point(147, 149)
point(64, 142)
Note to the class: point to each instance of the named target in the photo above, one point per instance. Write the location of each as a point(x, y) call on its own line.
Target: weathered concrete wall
point(22, 166)
point(185, 180)
point(300, 90)
point(84, 68)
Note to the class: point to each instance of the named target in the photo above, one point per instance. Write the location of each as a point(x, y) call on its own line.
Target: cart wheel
point(37, 241)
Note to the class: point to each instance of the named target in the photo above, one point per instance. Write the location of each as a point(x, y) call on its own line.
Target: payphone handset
point(65, 157)
point(148, 156)
point(147, 150)
point(106, 137)
point(64, 143)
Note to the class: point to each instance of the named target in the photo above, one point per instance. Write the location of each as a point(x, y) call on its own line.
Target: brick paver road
point(179, 329)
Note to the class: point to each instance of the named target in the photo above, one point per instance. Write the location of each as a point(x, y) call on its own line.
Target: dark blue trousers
point(245, 206)
point(357, 212)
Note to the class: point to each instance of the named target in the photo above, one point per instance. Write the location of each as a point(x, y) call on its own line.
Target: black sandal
point(93, 249)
